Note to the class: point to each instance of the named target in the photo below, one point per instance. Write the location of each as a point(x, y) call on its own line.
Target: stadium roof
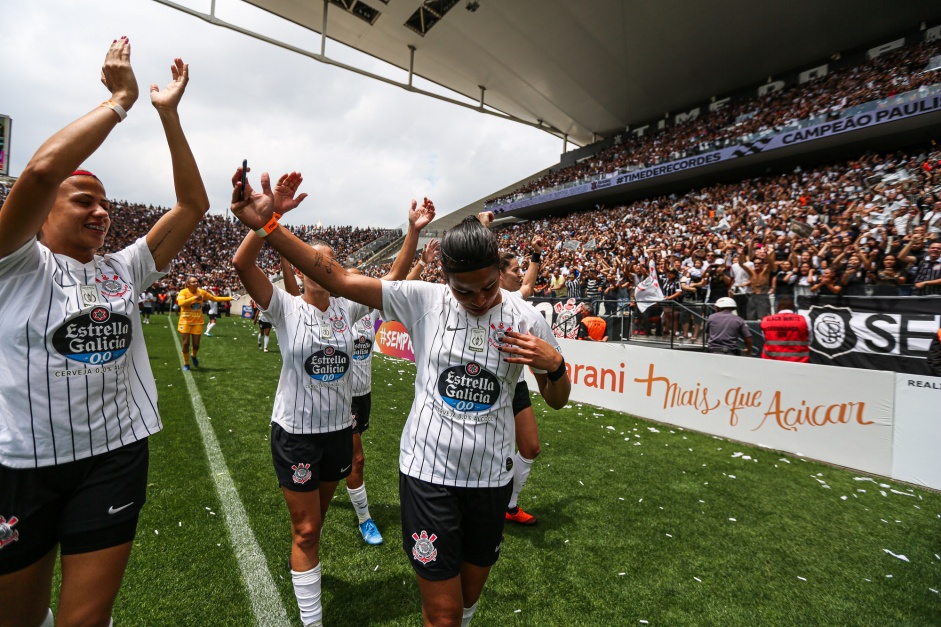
point(591, 67)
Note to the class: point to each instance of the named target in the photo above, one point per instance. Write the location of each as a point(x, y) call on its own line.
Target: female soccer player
point(191, 299)
point(77, 396)
point(312, 425)
point(470, 341)
point(527, 432)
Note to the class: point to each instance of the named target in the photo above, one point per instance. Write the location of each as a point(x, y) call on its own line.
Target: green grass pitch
point(639, 523)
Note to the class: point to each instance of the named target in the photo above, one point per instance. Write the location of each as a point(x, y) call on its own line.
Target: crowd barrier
point(872, 421)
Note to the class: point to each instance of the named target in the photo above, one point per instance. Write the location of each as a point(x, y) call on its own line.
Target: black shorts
point(84, 506)
point(303, 460)
point(212, 317)
point(521, 398)
point(443, 526)
point(361, 407)
point(264, 325)
point(148, 309)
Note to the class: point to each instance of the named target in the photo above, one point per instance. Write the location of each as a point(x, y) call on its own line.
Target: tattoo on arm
point(166, 234)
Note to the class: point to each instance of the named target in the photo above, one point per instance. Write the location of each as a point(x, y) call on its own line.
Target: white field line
point(266, 602)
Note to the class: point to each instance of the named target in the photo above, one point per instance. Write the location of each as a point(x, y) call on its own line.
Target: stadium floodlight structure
point(589, 70)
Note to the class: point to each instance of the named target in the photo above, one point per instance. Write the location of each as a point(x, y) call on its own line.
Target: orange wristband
point(111, 104)
point(266, 230)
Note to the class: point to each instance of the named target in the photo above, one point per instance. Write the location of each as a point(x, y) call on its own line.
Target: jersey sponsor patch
point(469, 387)
point(362, 348)
point(7, 533)
point(424, 550)
point(476, 341)
point(112, 286)
point(327, 365)
point(93, 336)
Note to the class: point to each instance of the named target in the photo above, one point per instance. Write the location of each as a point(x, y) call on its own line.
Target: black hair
point(468, 246)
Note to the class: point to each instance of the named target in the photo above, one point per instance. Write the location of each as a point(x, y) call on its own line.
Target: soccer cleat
point(266, 350)
point(208, 334)
point(370, 532)
point(186, 368)
point(520, 516)
point(195, 361)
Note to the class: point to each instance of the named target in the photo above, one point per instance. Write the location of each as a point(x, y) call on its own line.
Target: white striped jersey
point(365, 332)
point(75, 380)
point(315, 389)
point(460, 430)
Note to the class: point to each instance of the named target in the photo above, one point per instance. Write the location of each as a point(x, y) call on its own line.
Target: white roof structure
point(587, 68)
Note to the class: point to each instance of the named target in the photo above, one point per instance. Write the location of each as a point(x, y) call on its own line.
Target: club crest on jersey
point(497, 331)
point(112, 286)
point(93, 336)
point(7, 533)
point(327, 365)
point(302, 473)
point(338, 324)
point(469, 387)
point(424, 550)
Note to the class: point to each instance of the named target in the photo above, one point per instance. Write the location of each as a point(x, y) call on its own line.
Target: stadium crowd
point(884, 76)
point(208, 252)
point(871, 225)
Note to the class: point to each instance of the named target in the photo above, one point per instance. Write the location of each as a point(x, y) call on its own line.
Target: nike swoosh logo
point(115, 510)
point(456, 328)
point(347, 468)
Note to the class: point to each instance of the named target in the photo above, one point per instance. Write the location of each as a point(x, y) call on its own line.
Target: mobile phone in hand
point(244, 179)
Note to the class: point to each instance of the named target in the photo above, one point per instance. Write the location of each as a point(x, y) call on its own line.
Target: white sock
point(259, 339)
point(212, 323)
point(267, 337)
point(468, 614)
point(307, 593)
point(521, 468)
point(360, 503)
point(49, 621)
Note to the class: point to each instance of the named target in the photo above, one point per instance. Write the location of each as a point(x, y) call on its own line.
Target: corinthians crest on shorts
point(7, 533)
point(302, 473)
point(424, 550)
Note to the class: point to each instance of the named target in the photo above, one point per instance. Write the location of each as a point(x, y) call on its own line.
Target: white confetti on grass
point(864, 479)
point(698, 579)
point(801, 578)
point(901, 557)
point(733, 520)
point(902, 493)
point(933, 590)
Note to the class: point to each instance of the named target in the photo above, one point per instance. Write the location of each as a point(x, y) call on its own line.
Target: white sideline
point(266, 602)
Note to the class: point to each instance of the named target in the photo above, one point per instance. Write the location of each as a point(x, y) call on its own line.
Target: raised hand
point(169, 97)
point(117, 75)
point(420, 217)
point(257, 208)
point(485, 218)
point(431, 251)
point(284, 191)
point(538, 244)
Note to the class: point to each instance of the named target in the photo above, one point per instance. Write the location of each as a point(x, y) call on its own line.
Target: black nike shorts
point(445, 526)
point(361, 408)
point(521, 399)
point(83, 506)
point(303, 460)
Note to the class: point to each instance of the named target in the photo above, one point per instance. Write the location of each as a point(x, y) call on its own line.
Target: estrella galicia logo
point(93, 336)
point(362, 347)
point(469, 387)
point(832, 334)
point(327, 365)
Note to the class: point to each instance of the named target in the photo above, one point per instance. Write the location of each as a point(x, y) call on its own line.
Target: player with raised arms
point(456, 453)
point(191, 299)
point(77, 395)
point(311, 422)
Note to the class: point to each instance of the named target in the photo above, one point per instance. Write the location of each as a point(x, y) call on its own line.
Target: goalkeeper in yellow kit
point(191, 299)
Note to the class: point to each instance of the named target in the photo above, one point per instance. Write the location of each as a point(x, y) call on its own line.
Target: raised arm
point(257, 211)
point(167, 236)
point(418, 218)
point(535, 258)
point(290, 280)
point(427, 256)
point(30, 201)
